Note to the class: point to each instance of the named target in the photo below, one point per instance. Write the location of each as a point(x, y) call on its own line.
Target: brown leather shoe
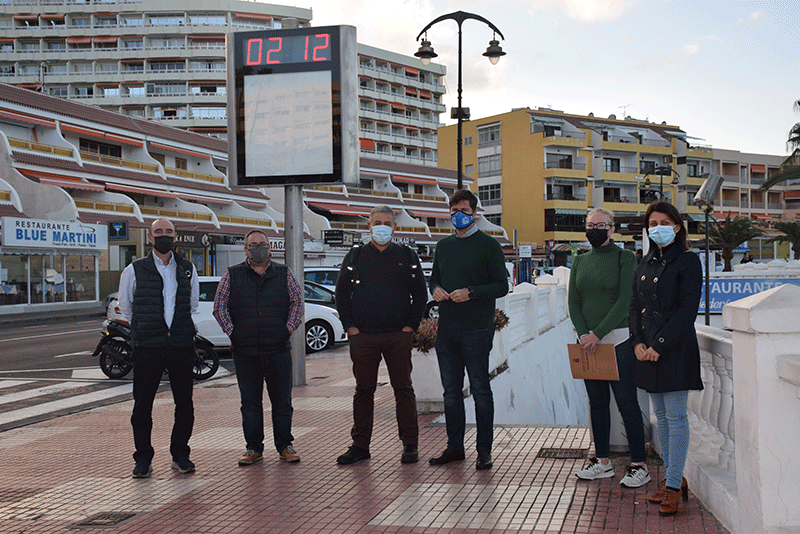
point(659, 496)
point(289, 455)
point(669, 506)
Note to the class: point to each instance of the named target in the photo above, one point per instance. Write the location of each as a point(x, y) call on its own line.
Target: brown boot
point(659, 496)
point(669, 506)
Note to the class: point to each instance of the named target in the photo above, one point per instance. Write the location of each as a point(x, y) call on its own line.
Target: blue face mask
point(461, 220)
point(382, 234)
point(662, 235)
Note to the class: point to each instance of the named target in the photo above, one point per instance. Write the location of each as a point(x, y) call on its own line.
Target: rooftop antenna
point(625, 108)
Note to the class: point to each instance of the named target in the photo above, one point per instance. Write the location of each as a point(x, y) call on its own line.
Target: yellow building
point(539, 171)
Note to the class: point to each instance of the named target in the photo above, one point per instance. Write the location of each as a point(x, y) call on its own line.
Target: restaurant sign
point(35, 233)
point(727, 290)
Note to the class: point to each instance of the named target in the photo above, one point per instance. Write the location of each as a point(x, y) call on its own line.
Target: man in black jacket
point(158, 294)
point(259, 304)
point(381, 296)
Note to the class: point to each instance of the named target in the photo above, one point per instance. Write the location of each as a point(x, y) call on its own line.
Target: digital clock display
point(286, 108)
point(287, 49)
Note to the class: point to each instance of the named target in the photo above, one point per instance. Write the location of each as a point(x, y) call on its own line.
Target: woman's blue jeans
point(673, 431)
point(627, 401)
point(456, 351)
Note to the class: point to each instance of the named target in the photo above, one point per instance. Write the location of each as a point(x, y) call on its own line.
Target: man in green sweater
point(468, 275)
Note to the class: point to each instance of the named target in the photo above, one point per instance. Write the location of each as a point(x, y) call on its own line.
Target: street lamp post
point(426, 53)
point(661, 171)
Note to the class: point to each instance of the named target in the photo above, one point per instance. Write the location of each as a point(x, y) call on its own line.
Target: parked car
point(432, 308)
point(109, 298)
point(323, 327)
point(324, 276)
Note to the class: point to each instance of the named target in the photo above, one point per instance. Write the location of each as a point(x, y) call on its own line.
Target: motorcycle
point(116, 352)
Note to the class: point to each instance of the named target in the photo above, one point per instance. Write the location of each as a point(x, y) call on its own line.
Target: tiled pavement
point(59, 473)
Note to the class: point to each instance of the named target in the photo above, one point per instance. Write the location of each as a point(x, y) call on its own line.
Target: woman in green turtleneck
point(600, 286)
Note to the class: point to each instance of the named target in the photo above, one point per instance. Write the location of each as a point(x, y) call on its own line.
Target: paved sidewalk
point(76, 469)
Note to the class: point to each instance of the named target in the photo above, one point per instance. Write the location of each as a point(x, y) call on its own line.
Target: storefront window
point(13, 279)
point(80, 278)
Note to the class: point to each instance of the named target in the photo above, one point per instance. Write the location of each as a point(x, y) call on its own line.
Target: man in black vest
point(381, 296)
point(259, 304)
point(158, 294)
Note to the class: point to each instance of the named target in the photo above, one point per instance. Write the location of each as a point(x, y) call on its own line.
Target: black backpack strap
point(351, 263)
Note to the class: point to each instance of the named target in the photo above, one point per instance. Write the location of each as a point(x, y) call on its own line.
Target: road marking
point(71, 402)
point(81, 353)
point(50, 335)
point(37, 392)
point(5, 383)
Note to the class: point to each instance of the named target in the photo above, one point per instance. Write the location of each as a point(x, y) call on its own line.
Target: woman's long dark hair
point(662, 206)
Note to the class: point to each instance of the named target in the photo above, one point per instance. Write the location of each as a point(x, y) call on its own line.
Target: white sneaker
point(596, 470)
point(635, 476)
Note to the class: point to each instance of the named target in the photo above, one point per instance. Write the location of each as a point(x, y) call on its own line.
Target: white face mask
point(662, 235)
point(382, 234)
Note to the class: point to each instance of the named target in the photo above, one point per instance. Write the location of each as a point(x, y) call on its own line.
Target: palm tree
point(791, 234)
point(731, 233)
point(790, 168)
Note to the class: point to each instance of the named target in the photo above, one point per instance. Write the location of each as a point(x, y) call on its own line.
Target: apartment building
point(153, 59)
point(539, 171)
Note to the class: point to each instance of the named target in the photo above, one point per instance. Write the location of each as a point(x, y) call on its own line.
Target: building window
point(564, 222)
point(468, 169)
point(612, 194)
point(402, 187)
point(365, 184)
point(489, 136)
point(468, 140)
point(691, 169)
point(610, 164)
point(104, 149)
point(490, 195)
point(647, 166)
point(494, 218)
point(558, 161)
point(181, 164)
point(489, 165)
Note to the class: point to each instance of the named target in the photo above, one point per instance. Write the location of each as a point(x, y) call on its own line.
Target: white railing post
point(766, 408)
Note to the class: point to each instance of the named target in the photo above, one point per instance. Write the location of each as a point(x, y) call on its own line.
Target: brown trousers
point(365, 352)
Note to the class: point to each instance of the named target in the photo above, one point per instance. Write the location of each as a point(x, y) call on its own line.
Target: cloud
point(587, 10)
point(756, 15)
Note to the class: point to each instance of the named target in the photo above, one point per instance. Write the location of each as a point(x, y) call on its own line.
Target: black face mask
point(163, 243)
point(596, 237)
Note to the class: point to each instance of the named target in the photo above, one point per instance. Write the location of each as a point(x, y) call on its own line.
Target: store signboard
point(35, 233)
point(726, 290)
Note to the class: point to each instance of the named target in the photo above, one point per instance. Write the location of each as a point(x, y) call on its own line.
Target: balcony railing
point(40, 147)
point(579, 198)
point(565, 165)
point(629, 170)
point(730, 203)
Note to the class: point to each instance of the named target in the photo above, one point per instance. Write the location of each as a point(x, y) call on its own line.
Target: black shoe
point(183, 464)
point(410, 454)
point(353, 455)
point(446, 457)
point(143, 469)
point(484, 460)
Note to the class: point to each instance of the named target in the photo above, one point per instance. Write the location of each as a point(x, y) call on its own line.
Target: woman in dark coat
point(666, 295)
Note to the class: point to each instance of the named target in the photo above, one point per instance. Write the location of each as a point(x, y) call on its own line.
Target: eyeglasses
point(599, 226)
point(257, 246)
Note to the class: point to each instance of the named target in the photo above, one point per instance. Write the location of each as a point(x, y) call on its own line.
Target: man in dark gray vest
point(259, 304)
point(158, 294)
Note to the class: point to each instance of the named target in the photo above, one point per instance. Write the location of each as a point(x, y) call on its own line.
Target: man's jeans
point(251, 373)
point(457, 350)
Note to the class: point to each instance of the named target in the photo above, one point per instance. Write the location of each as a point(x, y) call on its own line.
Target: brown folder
point(602, 365)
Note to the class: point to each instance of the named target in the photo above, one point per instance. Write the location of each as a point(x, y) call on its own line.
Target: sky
point(726, 72)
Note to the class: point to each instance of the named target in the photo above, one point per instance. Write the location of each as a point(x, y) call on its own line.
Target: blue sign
point(726, 290)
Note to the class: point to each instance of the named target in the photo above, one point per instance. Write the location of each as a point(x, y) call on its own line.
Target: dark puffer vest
point(148, 327)
point(259, 308)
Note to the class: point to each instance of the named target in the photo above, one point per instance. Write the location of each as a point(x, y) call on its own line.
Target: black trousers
point(149, 366)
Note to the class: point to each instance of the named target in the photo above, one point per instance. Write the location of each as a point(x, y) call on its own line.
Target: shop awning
point(414, 179)
point(141, 190)
point(758, 168)
point(367, 144)
point(342, 209)
point(67, 182)
point(398, 105)
point(411, 91)
point(24, 117)
point(105, 39)
point(425, 213)
point(424, 94)
point(78, 40)
point(411, 71)
point(700, 217)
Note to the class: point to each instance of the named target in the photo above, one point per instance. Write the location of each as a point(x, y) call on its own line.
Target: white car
point(323, 327)
point(432, 309)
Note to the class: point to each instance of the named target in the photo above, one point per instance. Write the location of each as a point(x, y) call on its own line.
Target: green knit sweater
point(476, 262)
point(600, 286)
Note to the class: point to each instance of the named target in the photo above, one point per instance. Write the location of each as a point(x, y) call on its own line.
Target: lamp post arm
point(459, 17)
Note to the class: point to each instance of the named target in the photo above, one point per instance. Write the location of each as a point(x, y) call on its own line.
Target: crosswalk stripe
point(14, 383)
point(71, 402)
point(38, 392)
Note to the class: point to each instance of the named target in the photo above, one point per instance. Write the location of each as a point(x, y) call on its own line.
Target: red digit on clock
point(280, 45)
point(250, 60)
point(321, 47)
